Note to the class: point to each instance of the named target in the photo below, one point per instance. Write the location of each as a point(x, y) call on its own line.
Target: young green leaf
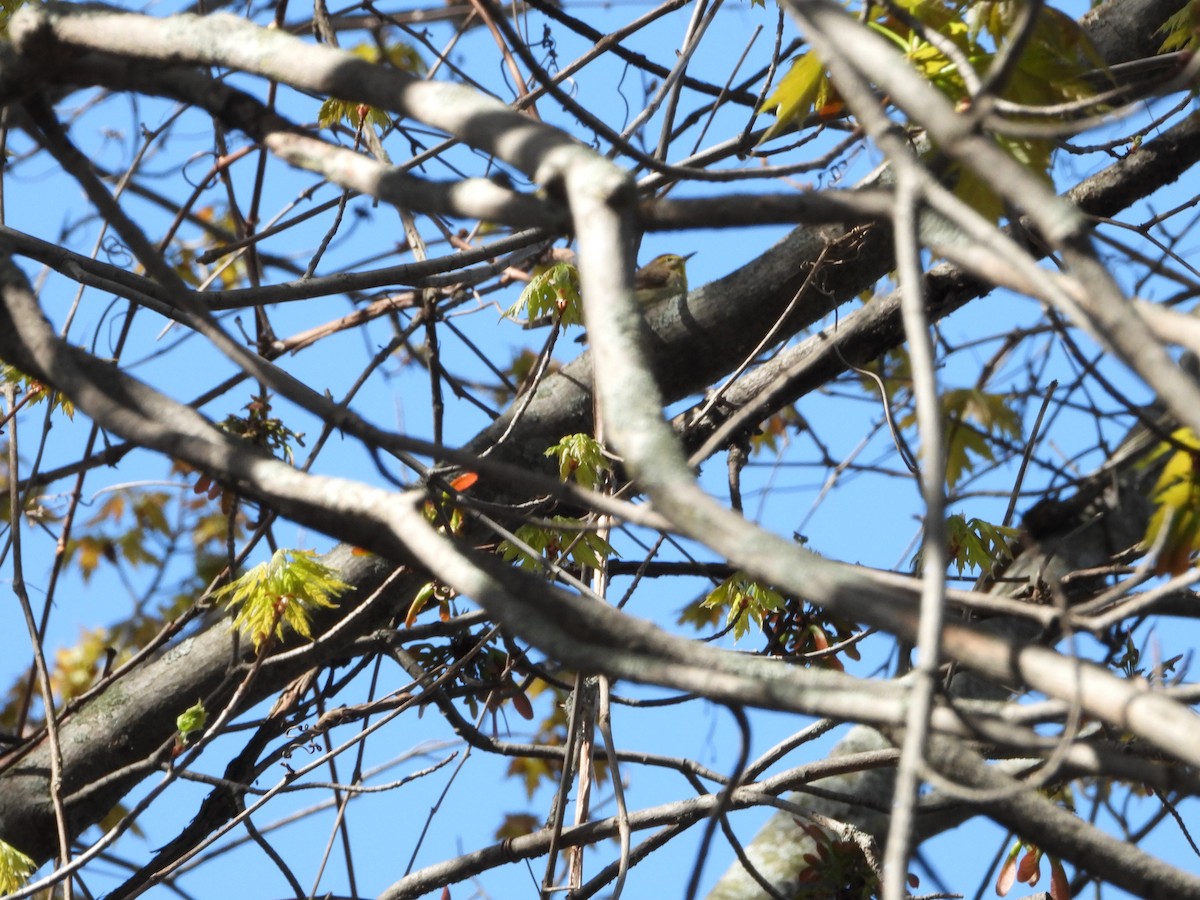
point(581, 548)
point(1051, 69)
point(1182, 30)
point(260, 428)
point(581, 457)
point(34, 390)
point(805, 88)
point(191, 721)
point(15, 868)
point(974, 419)
point(1176, 497)
point(745, 601)
point(551, 295)
point(400, 56)
point(286, 589)
point(976, 544)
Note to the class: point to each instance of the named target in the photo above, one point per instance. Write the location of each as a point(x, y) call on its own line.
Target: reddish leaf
point(1030, 869)
point(464, 481)
point(1060, 887)
point(1008, 876)
point(522, 705)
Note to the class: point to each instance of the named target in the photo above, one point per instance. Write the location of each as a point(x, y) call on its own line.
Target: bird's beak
point(690, 255)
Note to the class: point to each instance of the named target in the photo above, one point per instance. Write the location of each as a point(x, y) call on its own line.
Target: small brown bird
point(661, 279)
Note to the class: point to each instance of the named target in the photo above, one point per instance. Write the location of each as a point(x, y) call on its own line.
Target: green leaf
point(260, 428)
point(333, 111)
point(132, 545)
point(551, 295)
point(929, 60)
point(117, 815)
point(1182, 30)
point(975, 543)
point(150, 511)
point(191, 720)
point(974, 419)
point(77, 666)
point(430, 591)
point(532, 772)
point(977, 192)
point(585, 549)
point(1176, 497)
point(399, 55)
point(15, 868)
point(287, 589)
point(581, 456)
point(590, 550)
point(895, 371)
point(805, 88)
point(1052, 68)
point(88, 551)
point(745, 601)
point(34, 390)
point(700, 615)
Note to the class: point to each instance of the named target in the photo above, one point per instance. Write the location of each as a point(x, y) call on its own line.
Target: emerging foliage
point(975, 544)
point(431, 590)
point(1175, 525)
point(552, 295)
point(76, 667)
point(745, 602)
point(1182, 30)
point(285, 590)
point(443, 512)
point(399, 55)
point(259, 427)
point(191, 721)
point(803, 90)
point(973, 421)
point(582, 458)
point(839, 866)
point(1051, 69)
point(15, 868)
point(582, 548)
point(378, 325)
point(33, 391)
